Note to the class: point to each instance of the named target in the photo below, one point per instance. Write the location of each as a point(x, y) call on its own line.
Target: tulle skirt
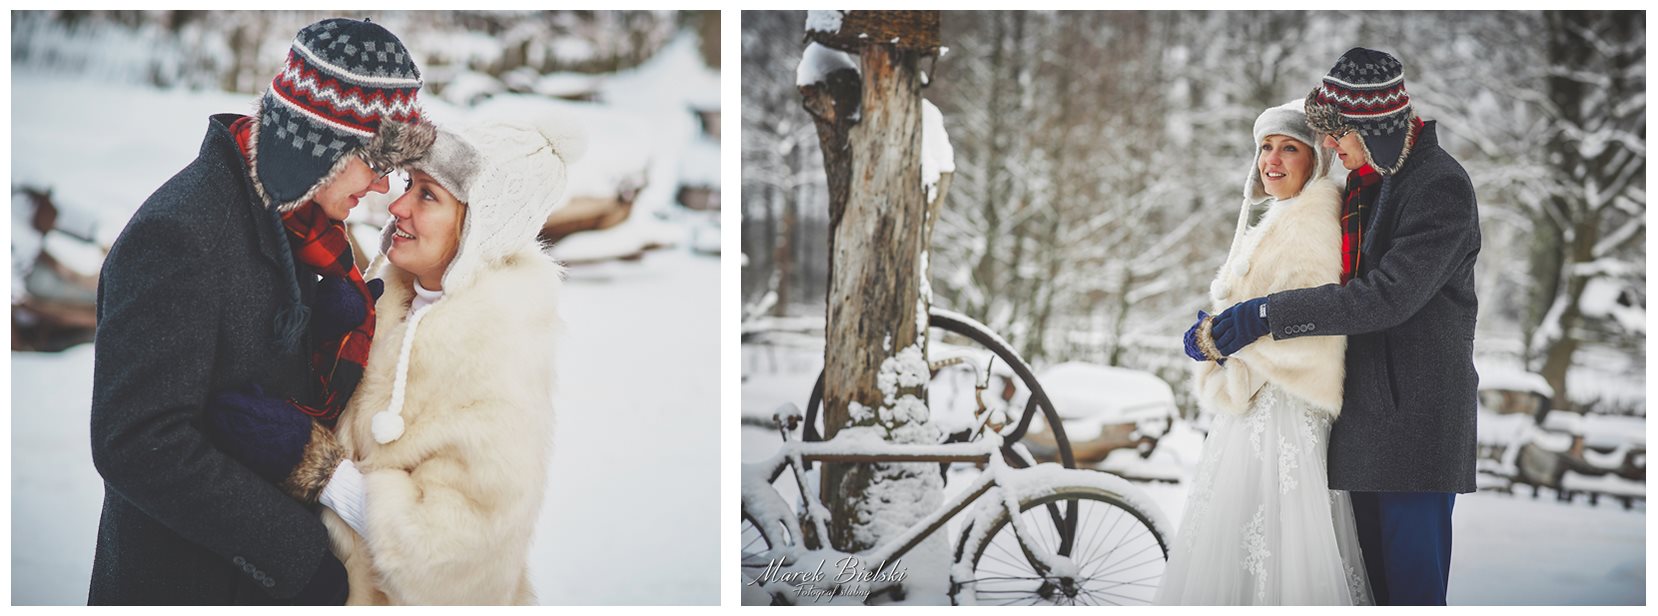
point(1261, 526)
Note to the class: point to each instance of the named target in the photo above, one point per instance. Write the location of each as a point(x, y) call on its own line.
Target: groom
point(207, 290)
point(1404, 445)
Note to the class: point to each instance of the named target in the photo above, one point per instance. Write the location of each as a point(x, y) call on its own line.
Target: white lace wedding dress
point(1261, 526)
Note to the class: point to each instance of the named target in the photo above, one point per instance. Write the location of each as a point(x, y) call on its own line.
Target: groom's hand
point(263, 432)
point(1240, 325)
point(339, 307)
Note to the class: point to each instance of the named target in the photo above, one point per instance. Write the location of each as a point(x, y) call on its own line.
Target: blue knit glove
point(1191, 338)
point(1240, 325)
point(263, 432)
point(338, 307)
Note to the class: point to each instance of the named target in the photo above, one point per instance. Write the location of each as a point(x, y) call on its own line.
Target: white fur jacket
point(452, 503)
point(1297, 244)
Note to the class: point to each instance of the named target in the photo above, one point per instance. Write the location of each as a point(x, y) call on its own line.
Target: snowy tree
point(1592, 217)
point(784, 191)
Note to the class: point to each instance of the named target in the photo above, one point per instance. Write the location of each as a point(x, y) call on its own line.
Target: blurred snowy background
point(107, 105)
point(1099, 159)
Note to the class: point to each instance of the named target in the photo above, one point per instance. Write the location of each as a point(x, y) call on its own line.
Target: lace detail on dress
point(1256, 553)
point(1288, 462)
point(1311, 422)
point(1355, 586)
point(1197, 507)
point(1257, 419)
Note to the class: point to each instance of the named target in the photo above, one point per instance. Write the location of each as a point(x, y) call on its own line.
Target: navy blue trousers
point(1406, 538)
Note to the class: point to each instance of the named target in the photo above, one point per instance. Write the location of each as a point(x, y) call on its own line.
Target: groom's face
point(355, 181)
point(1349, 148)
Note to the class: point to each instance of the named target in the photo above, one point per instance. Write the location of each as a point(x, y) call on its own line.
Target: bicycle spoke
point(1148, 561)
point(1139, 582)
point(1094, 547)
point(1011, 563)
point(1095, 597)
point(1127, 555)
point(1102, 553)
point(1112, 594)
point(1000, 577)
point(1013, 559)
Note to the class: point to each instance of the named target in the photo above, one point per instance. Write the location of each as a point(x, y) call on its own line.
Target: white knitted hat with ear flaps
point(510, 175)
point(1289, 120)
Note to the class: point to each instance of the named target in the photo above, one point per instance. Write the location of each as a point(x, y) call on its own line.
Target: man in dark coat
point(203, 294)
point(1404, 445)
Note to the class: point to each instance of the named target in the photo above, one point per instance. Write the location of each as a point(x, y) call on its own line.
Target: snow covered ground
point(634, 482)
point(1508, 550)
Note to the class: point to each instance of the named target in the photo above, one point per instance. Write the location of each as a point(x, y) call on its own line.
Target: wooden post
point(870, 125)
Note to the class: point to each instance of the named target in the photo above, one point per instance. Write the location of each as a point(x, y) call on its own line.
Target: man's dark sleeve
point(154, 359)
point(1436, 227)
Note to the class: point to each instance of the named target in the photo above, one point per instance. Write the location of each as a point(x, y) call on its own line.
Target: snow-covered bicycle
point(1034, 533)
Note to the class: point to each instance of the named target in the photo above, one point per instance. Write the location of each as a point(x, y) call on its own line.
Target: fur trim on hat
point(1323, 117)
point(453, 162)
point(394, 145)
point(1326, 119)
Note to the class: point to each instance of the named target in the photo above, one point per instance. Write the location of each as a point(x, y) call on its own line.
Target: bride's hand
point(1190, 338)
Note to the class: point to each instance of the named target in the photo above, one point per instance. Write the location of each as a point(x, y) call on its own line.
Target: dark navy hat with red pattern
point(349, 87)
point(1365, 92)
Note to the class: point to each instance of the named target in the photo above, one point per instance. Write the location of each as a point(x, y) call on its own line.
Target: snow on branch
point(1607, 267)
point(824, 21)
point(937, 156)
point(1618, 237)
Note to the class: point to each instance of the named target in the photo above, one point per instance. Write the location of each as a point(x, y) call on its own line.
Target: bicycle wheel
point(754, 544)
point(1117, 557)
point(1036, 402)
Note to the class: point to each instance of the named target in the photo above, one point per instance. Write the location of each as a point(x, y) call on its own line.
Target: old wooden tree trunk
point(870, 128)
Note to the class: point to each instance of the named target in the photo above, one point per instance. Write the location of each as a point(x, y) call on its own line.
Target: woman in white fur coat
point(446, 441)
point(1261, 526)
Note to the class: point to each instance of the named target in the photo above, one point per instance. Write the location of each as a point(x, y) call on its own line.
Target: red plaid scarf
point(1363, 188)
point(1363, 184)
point(320, 243)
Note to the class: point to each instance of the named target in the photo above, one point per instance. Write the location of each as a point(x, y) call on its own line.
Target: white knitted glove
point(345, 495)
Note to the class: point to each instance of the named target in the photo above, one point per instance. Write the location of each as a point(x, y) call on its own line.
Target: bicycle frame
point(795, 453)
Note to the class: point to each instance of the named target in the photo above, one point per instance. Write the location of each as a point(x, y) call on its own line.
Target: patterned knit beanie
point(349, 88)
point(1365, 92)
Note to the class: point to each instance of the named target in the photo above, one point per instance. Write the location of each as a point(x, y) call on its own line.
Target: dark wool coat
point(1407, 421)
point(186, 306)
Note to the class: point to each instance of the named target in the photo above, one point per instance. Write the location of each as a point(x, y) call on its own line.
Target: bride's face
point(428, 230)
point(1285, 164)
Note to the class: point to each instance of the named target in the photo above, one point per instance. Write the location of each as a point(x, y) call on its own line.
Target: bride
point(1261, 526)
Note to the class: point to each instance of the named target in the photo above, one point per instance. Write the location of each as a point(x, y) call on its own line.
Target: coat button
point(270, 583)
point(248, 567)
point(238, 561)
point(259, 576)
